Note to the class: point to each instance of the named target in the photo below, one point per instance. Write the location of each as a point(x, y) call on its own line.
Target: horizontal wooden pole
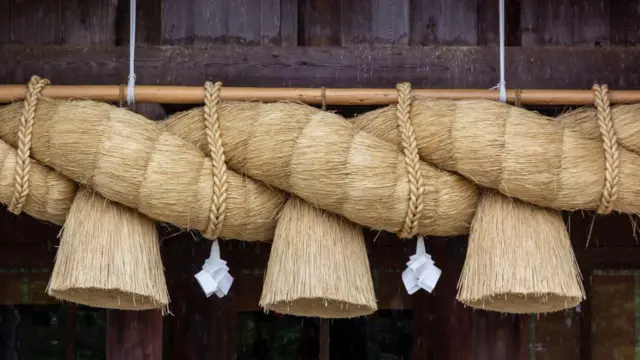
point(332, 67)
point(195, 94)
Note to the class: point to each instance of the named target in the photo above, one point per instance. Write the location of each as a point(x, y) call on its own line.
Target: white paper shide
point(421, 271)
point(214, 276)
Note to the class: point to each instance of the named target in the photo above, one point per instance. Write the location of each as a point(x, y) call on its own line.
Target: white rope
point(502, 85)
point(131, 95)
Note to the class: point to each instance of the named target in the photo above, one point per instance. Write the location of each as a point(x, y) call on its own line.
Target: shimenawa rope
point(412, 161)
point(25, 133)
point(611, 149)
point(218, 162)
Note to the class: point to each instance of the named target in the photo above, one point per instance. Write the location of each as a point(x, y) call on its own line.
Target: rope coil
point(25, 133)
point(218, 208)
point(611, 149)
point(412, 161)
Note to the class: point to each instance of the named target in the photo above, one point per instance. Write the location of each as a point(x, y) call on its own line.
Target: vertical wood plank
point(148, 22)
point(529, 22)
point(390, 21)
point(496, 336)
point(244, 22)
point(325, 339)
point(70, 336)
point(177, 22)
point(5, 22)
point(422, 326)
point(592, 24)
point(444, 22)
point(556, 22)
point(270, 20)
point(210, 21)
point(625, 22)
point(134, 335)
point(356, 22)
point(289, 22)
point(36, 22)
point(489, 25)
point(89, 22)
point(320, 22)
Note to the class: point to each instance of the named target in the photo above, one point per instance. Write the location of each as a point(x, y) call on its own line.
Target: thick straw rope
point(218, 208)
point(412, 160)
point(25, 133)
point(611, 150)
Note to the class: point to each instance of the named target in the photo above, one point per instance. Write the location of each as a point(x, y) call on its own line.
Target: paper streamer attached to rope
point(421, 271)
point(214, 276)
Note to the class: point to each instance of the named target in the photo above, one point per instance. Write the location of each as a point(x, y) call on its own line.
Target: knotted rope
point(611, 150)
point(412, 161)
point(25, 133)
point(218, 208)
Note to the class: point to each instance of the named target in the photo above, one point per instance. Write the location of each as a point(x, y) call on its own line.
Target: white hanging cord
point(131, 95)
point(502, 85)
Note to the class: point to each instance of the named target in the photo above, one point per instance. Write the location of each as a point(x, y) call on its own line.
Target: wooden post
point(70, 349)
point(134, 335)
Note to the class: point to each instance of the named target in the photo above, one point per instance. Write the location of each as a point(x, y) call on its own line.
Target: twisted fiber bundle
point(518, 152)
point(50, 195)
point(323, 159)
point(130, 160)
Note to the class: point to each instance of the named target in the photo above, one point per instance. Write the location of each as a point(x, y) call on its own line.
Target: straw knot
point(25, 133)
point(218, 208)
point(611, 149)
point(412, 161)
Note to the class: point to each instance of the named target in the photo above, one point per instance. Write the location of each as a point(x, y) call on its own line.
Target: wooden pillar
point(134, 335)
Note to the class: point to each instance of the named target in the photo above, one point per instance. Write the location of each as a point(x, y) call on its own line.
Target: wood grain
point(444, 22)
point(134, 335)
point(36, 22)
point(89, 23)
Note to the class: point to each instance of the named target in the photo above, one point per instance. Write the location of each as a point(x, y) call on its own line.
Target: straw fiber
point(519, 259)
point(50, 195)
point(109, 257)
point(324, 160)
point(518, 152)
point(130, 160)
point(318, 266)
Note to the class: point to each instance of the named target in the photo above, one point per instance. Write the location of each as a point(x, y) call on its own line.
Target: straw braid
point(218, 166)
point(611, 151)
point(25, 133)
point(412, 160)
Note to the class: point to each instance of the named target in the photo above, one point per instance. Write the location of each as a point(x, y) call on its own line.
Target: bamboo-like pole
point(333, 96)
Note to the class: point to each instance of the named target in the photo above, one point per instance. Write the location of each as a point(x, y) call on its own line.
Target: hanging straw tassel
point(519, 259)
point(109, 257)
point(318, 266)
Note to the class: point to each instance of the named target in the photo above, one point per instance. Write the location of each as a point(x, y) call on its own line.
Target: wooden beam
point(361, 66)
point(134, 335)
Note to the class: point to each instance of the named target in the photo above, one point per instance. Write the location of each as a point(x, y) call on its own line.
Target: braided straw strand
point(412, 161)
point(218, 162)
point(611, 149)
point(25, 133)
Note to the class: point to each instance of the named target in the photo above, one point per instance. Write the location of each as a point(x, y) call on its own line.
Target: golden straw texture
point(50, 195)
point(518, 152)
point(323, 159)
point(109, 257)
point(130, 160)
point(318, 266)
point(519, 259)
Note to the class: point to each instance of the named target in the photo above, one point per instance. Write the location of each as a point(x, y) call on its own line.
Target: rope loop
point(412, 161)
point(25, 134)
point(218, 208)
point(611, 149)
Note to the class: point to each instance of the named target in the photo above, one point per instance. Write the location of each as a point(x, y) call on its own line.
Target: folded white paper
point(214, 276)
point(421, 271)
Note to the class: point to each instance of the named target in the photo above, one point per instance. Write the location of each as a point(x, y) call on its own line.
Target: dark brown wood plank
point(556, 22)
point(529, 22)
point(244, 22)
point(5, 22)
point(289, 22)
point(70, 332)
point(625, 22)
point(210, 20)
point(489, 26)
point(134, 335)
point(444, 22)
point(320, 22)
point(495, 336)
point(592, 25)
point(390, 21)
point(178, 27)
point(270, 20)
point(148, 22)
point(89, 22)
point(356, 22)
point(426, 67)
point(36, 22)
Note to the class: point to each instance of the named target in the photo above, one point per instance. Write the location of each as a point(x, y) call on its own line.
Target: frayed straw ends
point(109, 257)
point(519, 259)
point(318, 266)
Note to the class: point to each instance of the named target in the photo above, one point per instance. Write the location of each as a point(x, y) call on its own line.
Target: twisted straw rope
point(611, 150)
point(412, 160)
point(218, 208)
point(25, 133)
